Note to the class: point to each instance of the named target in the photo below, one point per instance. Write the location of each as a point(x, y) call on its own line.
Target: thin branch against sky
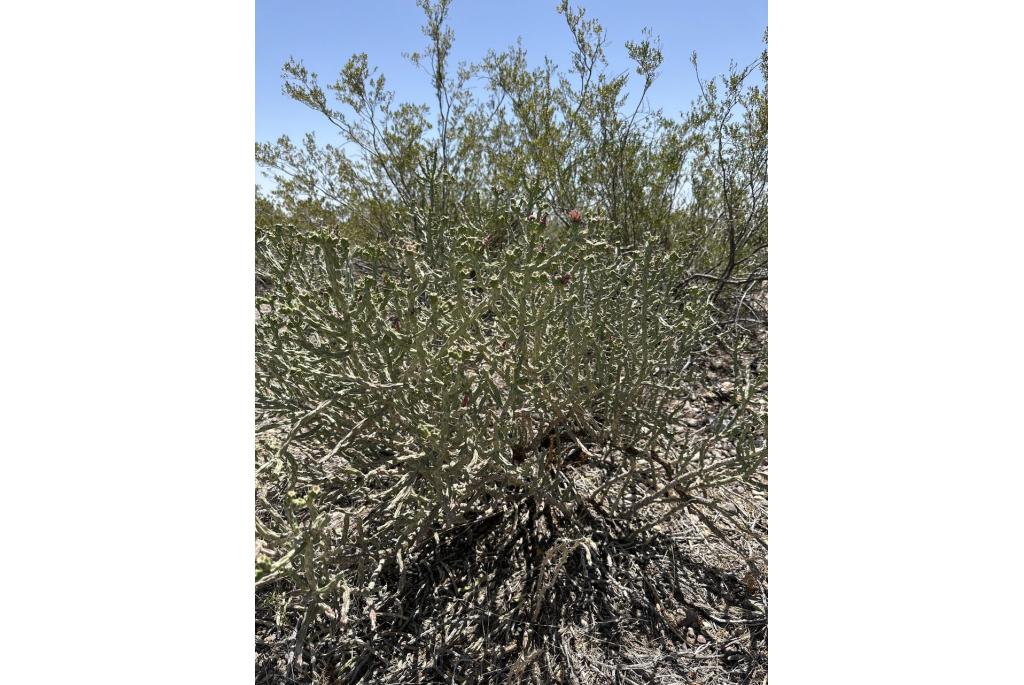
point(325, 33)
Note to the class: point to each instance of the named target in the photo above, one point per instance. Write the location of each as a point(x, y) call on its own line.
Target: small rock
point(701, 640)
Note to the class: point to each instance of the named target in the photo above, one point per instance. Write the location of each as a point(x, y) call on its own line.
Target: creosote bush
point(474, 351)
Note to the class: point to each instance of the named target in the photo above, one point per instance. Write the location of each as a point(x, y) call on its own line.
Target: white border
point(126, 278)
point(127, 381)
point(895, 235)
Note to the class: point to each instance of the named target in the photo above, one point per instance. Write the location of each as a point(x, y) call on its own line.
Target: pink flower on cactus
point(575, 216)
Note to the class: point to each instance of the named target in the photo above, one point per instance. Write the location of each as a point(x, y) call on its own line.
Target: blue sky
point(324, 33)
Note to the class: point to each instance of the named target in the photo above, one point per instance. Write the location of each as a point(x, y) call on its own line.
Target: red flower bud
point(575, 216)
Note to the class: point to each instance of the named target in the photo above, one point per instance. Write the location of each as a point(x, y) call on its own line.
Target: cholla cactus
point(446, 388)
point(545, 376)
point(486, 374)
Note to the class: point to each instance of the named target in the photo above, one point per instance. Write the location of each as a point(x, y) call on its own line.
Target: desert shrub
point(542, 370)
point(485, 339)
point(559, 138)
point(452, 385)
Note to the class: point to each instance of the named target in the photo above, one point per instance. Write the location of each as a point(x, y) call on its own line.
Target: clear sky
point(324, 33)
